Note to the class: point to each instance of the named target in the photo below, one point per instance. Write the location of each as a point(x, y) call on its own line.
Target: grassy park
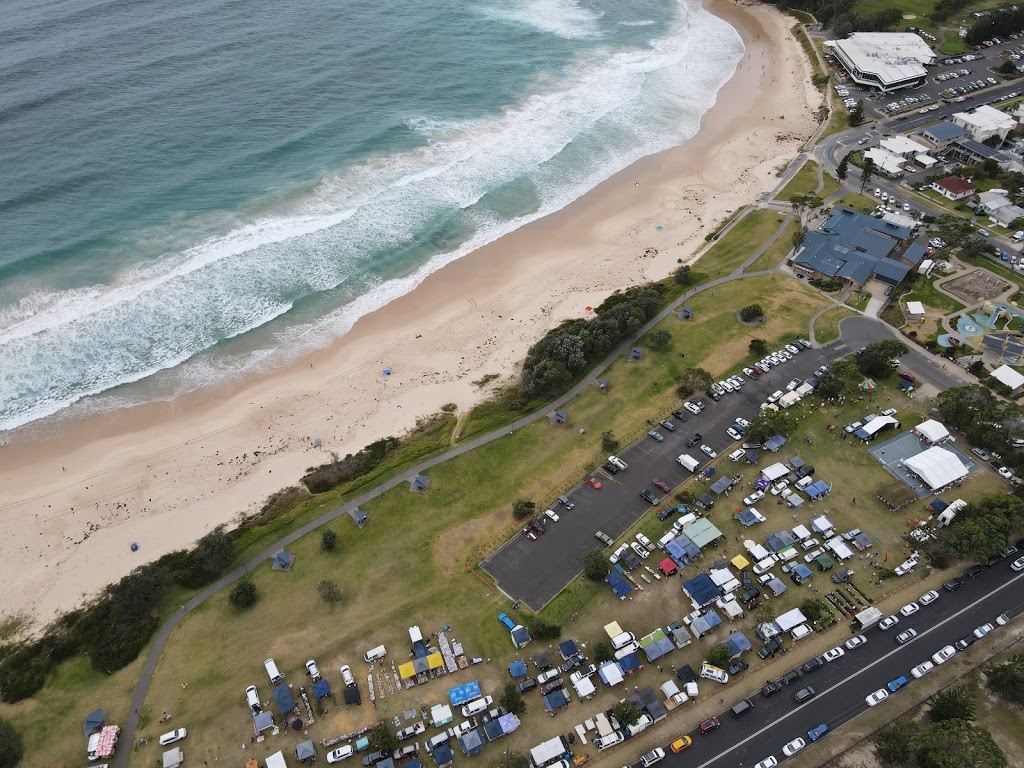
point(826, 327)
point(739, 243)
point(805, 182)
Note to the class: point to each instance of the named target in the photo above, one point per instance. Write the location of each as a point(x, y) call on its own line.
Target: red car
point(594, 483)
point(708, 725)
point(661, 486)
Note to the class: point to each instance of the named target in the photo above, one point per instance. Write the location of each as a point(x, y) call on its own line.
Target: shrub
point(544, 630)
point(511, 700)
point(895, 745)
point(522, 508)
point(751, 312)
point(11, 748)
point(595, 567)
point(608, 442)
point(659, 339)
point(682, 275)
point(955, 703)
point(626, 712)
point(244, 595)
point(24, 672)
point(326, 476)
point(329, 591)
point(603, 651)
point(449, 408)
point(758, 347)
point(718, 655)
point(328, 540)
point(382, 738)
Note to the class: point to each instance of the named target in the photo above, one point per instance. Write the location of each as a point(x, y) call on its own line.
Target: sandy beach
point(163, 475)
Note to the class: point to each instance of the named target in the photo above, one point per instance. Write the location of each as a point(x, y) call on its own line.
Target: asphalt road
point(535, 571)
point(843, 685)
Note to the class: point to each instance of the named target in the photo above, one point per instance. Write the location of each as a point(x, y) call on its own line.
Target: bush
point(955, 703)
point(326, 476)
point(543, 630)
point(595, 567)
point(382, 738)
point(751, 312)
point(693, 380)
point(328, 540)
point(1007, 680)
point(449, 408)
point(603, 651)
point(758, 347)
point(329, 591)
point(11, 748)
point(608, 442)
point(682, 275)
point(244, 595)
point(718, 655)
point(659, 339)
point(895, 745)
point(24, 672)
point(511, 700)
point(626, 712)
point(522, 508)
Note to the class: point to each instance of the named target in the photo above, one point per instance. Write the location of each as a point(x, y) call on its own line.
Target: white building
point(1004, 374)
point(887, 61)
point(885, 161)
point(915, 310)
point(937, 467)
point(985, 122)
point(902, 146)
point(991, 201)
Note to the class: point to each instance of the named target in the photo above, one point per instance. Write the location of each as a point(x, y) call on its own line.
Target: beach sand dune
point(77, 496)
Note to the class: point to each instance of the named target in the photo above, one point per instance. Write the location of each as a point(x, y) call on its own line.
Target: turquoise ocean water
point(190, 191)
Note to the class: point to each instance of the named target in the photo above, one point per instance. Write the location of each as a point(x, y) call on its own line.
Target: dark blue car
point(817, 732)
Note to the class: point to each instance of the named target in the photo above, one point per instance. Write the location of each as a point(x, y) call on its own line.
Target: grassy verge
point(805, 182)
point(924, 291)
point(737, 245)
point(826, 327)
point(859, 300)
point(778, 250)
point(858, 202)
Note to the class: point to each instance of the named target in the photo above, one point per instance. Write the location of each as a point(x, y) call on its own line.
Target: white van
point(803, 482)
point(272, 671)
point(437, 741)
point(616, 461)
point(787, 554)
point(688, 462)
point(347, 677)
point(477, 706)
point(252, 698)
point(622, 640)
point(711, 672)
point(625, 650)
point(613, 738)
point(375, 653)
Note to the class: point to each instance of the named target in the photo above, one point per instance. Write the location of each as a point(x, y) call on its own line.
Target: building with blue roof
point(914, 253)
point(941, 135)
point(854, 247)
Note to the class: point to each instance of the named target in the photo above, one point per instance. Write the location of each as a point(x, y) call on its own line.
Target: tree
point(841, 375)
point(137, 593)
point(841, 168)
point(328, 540)
point(815, 610)
point(876, 358)
point(1007, 68)
point(952, 229)
point(244, 595)
point(857, 116)
point(751, 312)
point(718, 655)
point(956, 703)
point(767, 424)
point(214, 552)
point(608, 442)
point(603, 651)
point(595, 567)
point(798, 238)
point(627, 713)
point(11, 748)
point(511, 699)
point(383, 739)
point(1007, 680)
point(995, 142)
point(804, 204)
point(693, 380)
point(659, 339)
point(523, 508)
point(895, 745)
point(683, 275)
point(543, 630)
point(329, 591)
point(866, 173)
point(958, 744)
point(758, 347)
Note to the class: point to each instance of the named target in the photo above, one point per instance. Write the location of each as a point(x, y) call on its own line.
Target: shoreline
point(164, 474)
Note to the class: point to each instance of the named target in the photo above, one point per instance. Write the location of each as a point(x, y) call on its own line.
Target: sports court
point(893, 452)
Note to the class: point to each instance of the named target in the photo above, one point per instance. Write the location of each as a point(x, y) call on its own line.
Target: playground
point(976, 287)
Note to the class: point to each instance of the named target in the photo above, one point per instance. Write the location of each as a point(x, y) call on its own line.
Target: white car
point(341, 753)
point(691, 407)
point(944, 655)
point(855, 642)
point(550, 514)
point(928, 598)
point(743, 423)
point(922, 669)
point(655, 755)
point(709, 451)
point(1005, 473)
point(1016, 565)
point(618, 553)
point(313, 670)
point(889, 412)
point(851, 428)
point(738, 454)
point(731, 432)
point(793, 747)
point(756, 496)
point(176, 735)
point(909, 609)
point(779, 485)
point(642, 553)
point(833, 654)
point(983, 630)
point(793, 385)
point(644, 541)
point(774, 396)
point(768, 762)
point(877, 697)
point(889, 622)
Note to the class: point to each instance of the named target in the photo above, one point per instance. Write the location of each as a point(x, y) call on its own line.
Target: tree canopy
point(875, 359)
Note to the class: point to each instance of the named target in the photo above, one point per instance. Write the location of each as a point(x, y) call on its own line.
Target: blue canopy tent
point(683, 548)
point(721, 485)
point(94, 722)
point(752, 457)
point(748, 518)
point(443, 756)
point(520, 636)
point(618, 584)
point(706, 623)
point(493, 730)
point(568, 649)
point(774, 443)
point(555, 700)
point(509, 722)
point(818, 489)
point(283, 699)
point(517, 669)
point(658, 648)
point(702, 590)
point(471, 743)
point(263, 721)
point(779, 541)
point(460, 694)
point(629, 662)
point(801, 573)
point(776, 586)
point(321, 689)
point(737, 643)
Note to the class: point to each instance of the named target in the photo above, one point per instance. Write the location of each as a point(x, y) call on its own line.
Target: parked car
point(709, 451)
point(928, 597)
point(922, 669)
point(527, 685)
point(877, 697)
point(909, 608)
point(695, 438)
point(816, 663)
point(604, 538)
point(172, 736)
point(594, 483)
point(817, 732)
point(341, 753)
point(943, 655)
point(791, 677)
point(668, 425)
point(649, 497)
point(642, 553)
point(708, 725)
point(895, 685)
point(888, 622)
point(681, 743)
point(373, 758)
point(833, 654)
point(661, 485)
point(855, 642)
point(804, 694)
point(953, 584)
point(756, 496)
point(655, 755)
point(793, 747)
point(770, 689)
point(906, 636)
point(656, 436)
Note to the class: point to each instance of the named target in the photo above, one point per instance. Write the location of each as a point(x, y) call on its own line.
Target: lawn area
point(858, 300)
point(778, 250)
point(736, 246)
point(840, 121)
point(858, 202)
point(826, 327)
point(952, 44)
point(805, 182)
point(924, 291)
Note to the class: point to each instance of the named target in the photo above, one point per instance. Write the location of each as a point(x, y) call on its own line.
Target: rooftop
point(955, 185)
point(891, 56)
point(853, 246)
point(945, 131)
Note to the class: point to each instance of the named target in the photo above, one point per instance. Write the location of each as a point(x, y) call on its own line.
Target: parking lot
point(533, 572)
point(893, 452)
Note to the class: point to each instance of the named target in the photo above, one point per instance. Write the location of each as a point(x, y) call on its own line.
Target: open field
point(826, 327)
point(739, 243)
point(805, 182)
point(924, 291)
point(858, 202)
point(778, 251)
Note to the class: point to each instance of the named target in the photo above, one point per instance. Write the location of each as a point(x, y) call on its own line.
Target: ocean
point(193, 192)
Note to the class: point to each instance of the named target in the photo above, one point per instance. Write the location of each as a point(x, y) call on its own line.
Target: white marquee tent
point(931, 432)
point(937, 467)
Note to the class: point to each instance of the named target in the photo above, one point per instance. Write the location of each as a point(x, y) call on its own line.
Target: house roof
point(937, 467)
point(945, 131)
point(853, 246)
point(915, 253)
point(1006, 375)
point(955, 185)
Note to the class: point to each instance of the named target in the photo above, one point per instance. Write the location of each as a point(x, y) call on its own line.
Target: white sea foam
point(640, 23)
point(614, 108)
point(569, 19)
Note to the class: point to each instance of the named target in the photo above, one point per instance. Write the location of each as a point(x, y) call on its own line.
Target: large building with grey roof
point(853, 247)
point(887, 61)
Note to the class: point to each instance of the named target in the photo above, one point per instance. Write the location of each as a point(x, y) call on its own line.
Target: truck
point(548, 751)
point(640, 725)
point(868, 618)
point(688, 462)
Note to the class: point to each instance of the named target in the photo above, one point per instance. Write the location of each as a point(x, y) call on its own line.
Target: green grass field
point(805, 182)
point(736, 246)
point(924, 291)
point(778, 250)
point(826, 327)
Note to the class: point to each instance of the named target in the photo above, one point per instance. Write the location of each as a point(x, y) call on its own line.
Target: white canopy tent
point(775, 471)
point(931, 431)
point(937, 467)
point(276, 760)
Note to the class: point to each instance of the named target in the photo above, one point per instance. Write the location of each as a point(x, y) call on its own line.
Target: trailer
point(688, 462)
point(548, 751)
point(868, 618)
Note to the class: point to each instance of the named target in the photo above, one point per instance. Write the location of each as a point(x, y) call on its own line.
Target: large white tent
point(932, 431)
point(937, 467)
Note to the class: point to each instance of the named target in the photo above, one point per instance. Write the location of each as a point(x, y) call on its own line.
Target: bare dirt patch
point(976, 286)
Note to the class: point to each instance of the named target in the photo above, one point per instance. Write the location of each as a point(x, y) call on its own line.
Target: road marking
point(859, 672)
